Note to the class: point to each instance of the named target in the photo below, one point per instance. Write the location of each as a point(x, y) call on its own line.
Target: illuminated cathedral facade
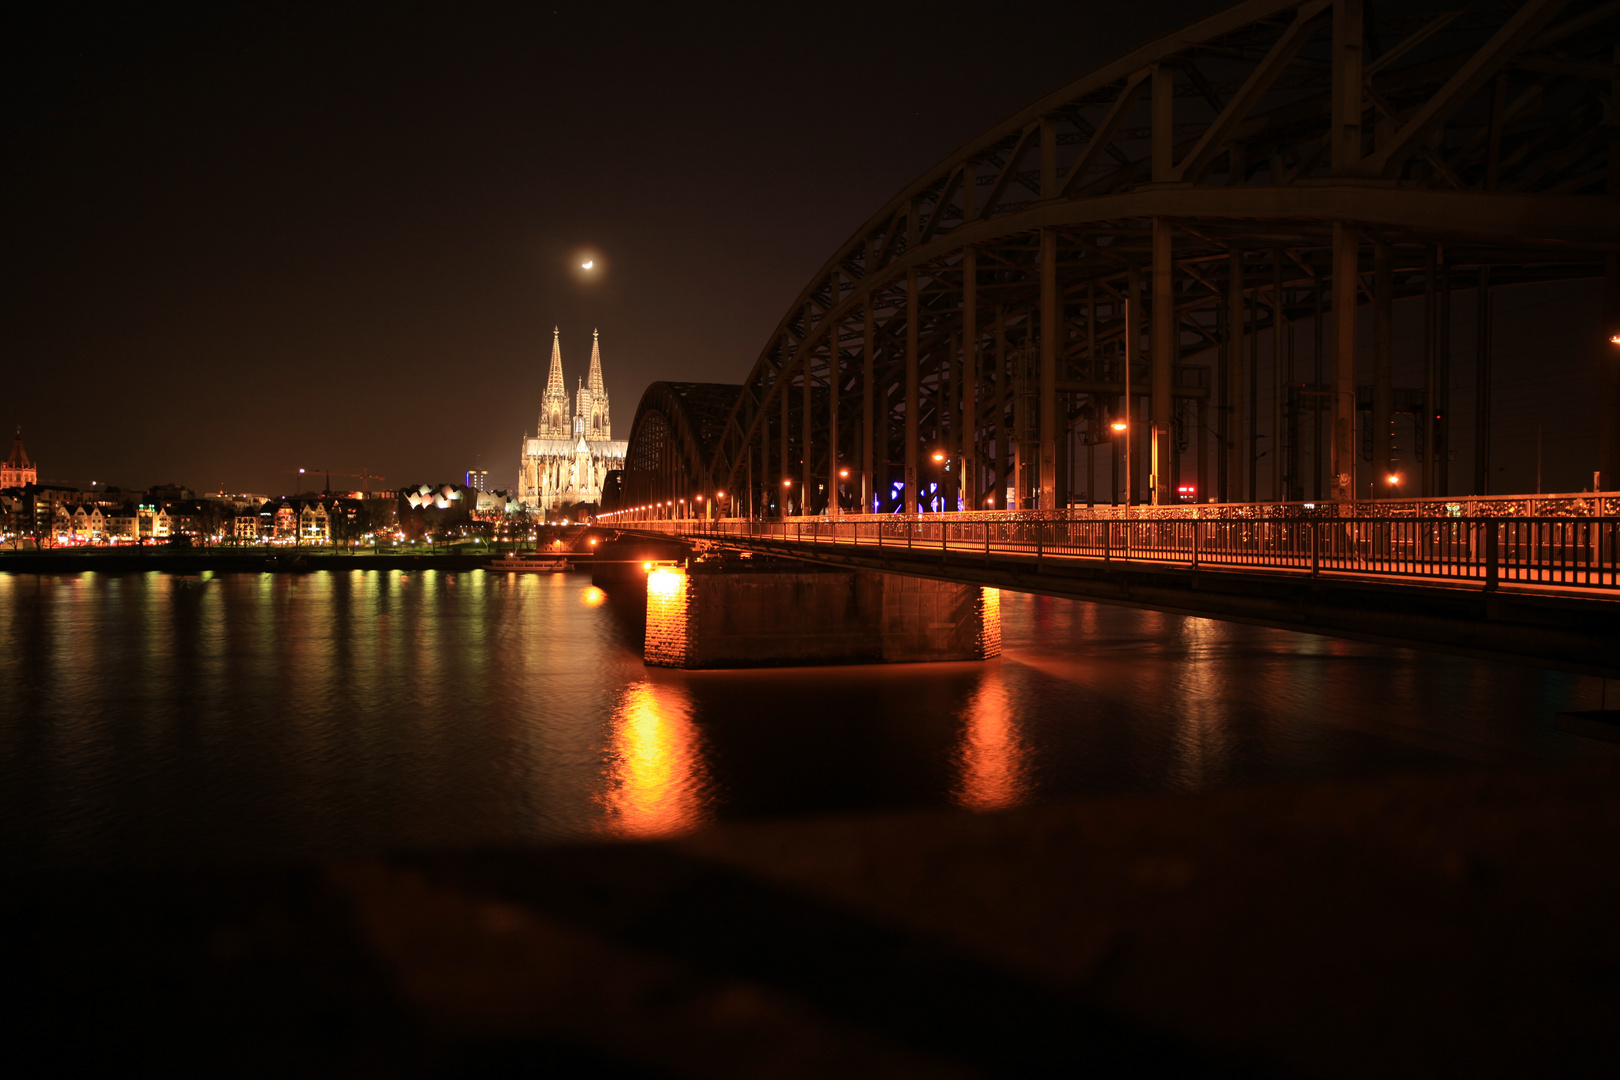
point(568, 458)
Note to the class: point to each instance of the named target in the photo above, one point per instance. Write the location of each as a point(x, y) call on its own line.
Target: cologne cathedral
point(568, 459)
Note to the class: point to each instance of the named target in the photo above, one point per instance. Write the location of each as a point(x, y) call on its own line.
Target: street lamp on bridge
point(1119, 427)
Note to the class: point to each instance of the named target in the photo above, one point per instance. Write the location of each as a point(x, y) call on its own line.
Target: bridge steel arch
point(1157, 244)
point(671, 438)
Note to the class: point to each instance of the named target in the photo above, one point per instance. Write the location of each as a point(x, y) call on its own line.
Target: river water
point(156, 719)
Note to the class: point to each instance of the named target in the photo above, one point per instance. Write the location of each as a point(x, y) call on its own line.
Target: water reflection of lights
point(993, 755)
point(592, 597)
point(657, 781)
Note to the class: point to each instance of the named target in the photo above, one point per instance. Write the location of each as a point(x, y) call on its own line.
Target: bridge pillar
point(913, 316)
point(1609, 378)
point(720, 615)
point(1383, 365)
point(1162, 353)
point(968, 444)
point(1051, 330)
point(868, 416)
point(1346, 256)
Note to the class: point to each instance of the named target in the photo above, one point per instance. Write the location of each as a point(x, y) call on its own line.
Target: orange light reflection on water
point(657, 783)
point(993, 755)
point(592, 597)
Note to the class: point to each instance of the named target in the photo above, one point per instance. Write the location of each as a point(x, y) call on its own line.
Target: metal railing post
point(1491, 553)
point(1316, 549)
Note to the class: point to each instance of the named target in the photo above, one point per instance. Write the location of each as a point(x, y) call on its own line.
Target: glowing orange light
point(787, 483)
point(719, 494)
point(1118, 425)
point(647, 566)
point(843, 472)
point(992, 754)
point(658, 777)
point(1614, 339)
point(1393, 478)
point(593, 597)
point(593, 541)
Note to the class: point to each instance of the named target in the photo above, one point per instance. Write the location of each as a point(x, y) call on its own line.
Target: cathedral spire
point(554, 381)
point(554, 406)
point(594, 379)
point(599, 424)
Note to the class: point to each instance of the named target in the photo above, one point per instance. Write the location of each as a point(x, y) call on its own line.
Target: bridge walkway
point(1543, 591)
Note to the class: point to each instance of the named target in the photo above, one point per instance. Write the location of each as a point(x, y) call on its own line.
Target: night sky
point(247, 238)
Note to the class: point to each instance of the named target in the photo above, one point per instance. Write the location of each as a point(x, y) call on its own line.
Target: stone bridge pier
point(724, 613)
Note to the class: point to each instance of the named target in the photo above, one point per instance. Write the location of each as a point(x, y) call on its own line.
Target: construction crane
point(365, 476)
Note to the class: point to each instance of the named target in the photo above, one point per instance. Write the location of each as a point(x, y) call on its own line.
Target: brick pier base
point(745, 618)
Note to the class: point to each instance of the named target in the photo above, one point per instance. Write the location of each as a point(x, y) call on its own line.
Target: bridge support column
point(913, 314)
point(1346, 264)
point(806, 445)
point(1237, 383)
point(1279, 376)
point(784, 486)
point(834, 383)
point(1482, 384)
point(1162, 350)
point(1431, 301)
point(868, 417)
point(1383, 365)
point(1051, 330)
point(1609, 380)
point(973, 498)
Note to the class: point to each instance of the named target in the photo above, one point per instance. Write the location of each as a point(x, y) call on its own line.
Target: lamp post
point(938, 458)
point(787, 492)
point(1120, 428)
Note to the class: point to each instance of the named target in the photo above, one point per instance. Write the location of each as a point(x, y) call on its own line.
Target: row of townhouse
point(75, 524)
point(284, 522)
point(91, 523)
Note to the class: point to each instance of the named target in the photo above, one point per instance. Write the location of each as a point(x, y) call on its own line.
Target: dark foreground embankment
point(1457, 925)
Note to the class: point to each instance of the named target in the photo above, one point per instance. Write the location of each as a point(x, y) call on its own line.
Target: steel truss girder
point(1252, 131)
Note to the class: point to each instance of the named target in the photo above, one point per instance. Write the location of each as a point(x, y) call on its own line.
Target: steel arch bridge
point(1134, 264)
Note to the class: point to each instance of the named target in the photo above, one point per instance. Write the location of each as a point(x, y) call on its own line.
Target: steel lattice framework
point(1118, 252)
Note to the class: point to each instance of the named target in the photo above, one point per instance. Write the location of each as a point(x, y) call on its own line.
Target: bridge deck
point(1495, 588)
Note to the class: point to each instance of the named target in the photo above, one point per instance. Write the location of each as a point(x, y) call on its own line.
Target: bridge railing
point(1579, 552)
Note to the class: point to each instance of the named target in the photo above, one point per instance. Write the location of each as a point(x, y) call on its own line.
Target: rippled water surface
point(152, 718)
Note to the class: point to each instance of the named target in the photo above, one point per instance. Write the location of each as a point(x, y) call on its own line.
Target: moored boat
point(544, 564)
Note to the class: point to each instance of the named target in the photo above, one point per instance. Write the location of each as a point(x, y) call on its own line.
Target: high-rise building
point(478, 479)
point(568, 458)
